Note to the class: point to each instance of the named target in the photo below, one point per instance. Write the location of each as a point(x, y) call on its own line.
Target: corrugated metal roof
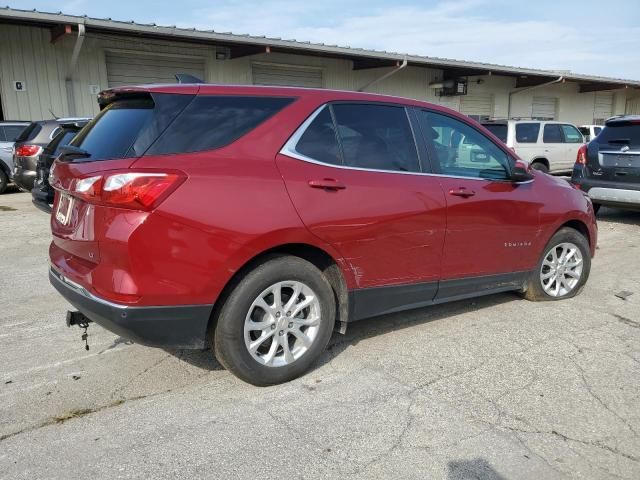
point(174, 32)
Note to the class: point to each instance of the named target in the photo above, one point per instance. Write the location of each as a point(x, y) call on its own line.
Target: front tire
point(276, 322)
point(541, 167)
point(563, 268)
point(4, 182)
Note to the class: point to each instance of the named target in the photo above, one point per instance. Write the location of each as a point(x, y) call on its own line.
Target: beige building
point(55, 64)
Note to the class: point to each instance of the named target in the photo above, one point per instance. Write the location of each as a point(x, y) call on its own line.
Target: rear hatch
point(614, 155)
point(92, 174)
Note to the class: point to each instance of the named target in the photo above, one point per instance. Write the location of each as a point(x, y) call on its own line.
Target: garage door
point(544, 108)
point(633, 106)
point(603, 107)
point(140, 69)
point(286, 76)
point(478, 106)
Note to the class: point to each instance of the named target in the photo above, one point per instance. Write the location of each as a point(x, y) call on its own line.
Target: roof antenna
point(186, 78)
point(55, 117)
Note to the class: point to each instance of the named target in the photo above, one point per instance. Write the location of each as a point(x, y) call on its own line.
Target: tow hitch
point(78, 318)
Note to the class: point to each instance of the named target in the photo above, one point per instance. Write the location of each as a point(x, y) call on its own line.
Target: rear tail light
point(142, 190)
point(581, 158)
point(28, 150)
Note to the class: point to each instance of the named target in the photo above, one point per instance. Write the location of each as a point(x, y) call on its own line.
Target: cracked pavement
point(490, 388)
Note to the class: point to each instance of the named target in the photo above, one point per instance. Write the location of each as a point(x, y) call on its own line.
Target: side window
point(571, 134)
point(552, 133)
point(597, 130)
point(527, 132)
point(376, 137)
point(319, 141)
point(214, 121)
point(3, 137)
point(461, 150)
point(64, 140)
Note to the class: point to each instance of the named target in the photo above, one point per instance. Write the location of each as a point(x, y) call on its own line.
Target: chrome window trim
point(289, 149)
point(619, 152)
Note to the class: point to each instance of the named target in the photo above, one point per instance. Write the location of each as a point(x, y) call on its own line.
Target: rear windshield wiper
point(69, 152)
point(625, 141)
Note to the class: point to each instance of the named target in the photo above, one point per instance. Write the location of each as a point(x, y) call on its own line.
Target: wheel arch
point(542, 160)
point(327, 264)
point(578, 225)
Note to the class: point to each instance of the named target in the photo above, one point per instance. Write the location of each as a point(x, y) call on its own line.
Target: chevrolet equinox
point(259, 219)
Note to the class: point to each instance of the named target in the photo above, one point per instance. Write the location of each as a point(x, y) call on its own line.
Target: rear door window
point(527, 132)
point(211, 122)
point(376, 137)
point(13, 131)
point(552, 133)
point(319, 142)
point(571, 134)
point(500, 130)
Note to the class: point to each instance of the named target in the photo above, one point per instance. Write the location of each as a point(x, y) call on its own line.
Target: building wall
point(27, 54)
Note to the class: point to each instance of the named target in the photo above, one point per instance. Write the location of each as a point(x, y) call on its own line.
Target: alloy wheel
point(561, 269)
point(282, 323)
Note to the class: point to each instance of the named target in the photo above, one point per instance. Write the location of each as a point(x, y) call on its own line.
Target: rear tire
point(540, 167)
point(563, 268)
point(266, 341)
point(4, 182)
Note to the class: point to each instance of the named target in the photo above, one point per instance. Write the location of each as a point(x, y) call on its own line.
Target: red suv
point(259, 219)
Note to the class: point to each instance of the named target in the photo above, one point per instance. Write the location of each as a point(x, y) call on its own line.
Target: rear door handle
point(462, 192)
point(327, 184)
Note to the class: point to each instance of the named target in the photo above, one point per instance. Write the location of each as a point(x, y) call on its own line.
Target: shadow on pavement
point(476, 469)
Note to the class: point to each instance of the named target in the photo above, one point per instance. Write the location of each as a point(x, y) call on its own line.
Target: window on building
point(527, 132)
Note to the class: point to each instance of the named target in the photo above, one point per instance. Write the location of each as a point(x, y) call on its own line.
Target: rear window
point(620, 135)
point(63, 138)
point(29, 133)
point(114, 130)
point(527, 132)
point(211, 122)
point(11, 132)
point(498, 129)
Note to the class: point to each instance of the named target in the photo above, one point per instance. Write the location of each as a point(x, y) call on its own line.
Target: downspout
point(513, 92)
point(71, 101)
point(385, 76)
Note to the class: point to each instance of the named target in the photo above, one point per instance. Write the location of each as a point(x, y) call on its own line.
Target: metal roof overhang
point(244, 45)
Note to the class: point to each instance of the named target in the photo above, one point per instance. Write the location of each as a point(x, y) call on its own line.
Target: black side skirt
point(371, 302)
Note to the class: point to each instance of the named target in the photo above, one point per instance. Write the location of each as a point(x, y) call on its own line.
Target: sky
point(586, 36)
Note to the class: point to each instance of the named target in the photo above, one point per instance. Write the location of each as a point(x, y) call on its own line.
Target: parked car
point(42, 193)
point(589, 132)
point(9, 131)
point(608, 167)
point(29, 146)
point(257, 219)
point(547, 146)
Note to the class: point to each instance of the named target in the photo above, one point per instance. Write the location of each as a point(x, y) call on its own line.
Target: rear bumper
point(24, 178)
point(609, 193)
point(183, 326)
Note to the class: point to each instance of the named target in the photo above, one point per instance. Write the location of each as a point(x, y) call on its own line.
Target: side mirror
point(520, 172)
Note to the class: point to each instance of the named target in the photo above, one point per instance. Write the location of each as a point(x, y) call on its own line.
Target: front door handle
point(462, 192)
point(327, 184)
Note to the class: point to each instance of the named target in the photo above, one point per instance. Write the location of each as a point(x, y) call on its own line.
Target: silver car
point(9, 131)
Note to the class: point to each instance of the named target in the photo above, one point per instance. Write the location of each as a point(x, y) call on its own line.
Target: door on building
point(286, 75)
point(544, 108)
point(478, 106)
point(126, 68)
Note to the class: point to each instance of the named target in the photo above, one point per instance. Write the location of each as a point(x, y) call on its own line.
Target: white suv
point(548, 146)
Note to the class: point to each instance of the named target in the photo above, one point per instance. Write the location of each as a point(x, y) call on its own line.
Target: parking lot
point(493, 388)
